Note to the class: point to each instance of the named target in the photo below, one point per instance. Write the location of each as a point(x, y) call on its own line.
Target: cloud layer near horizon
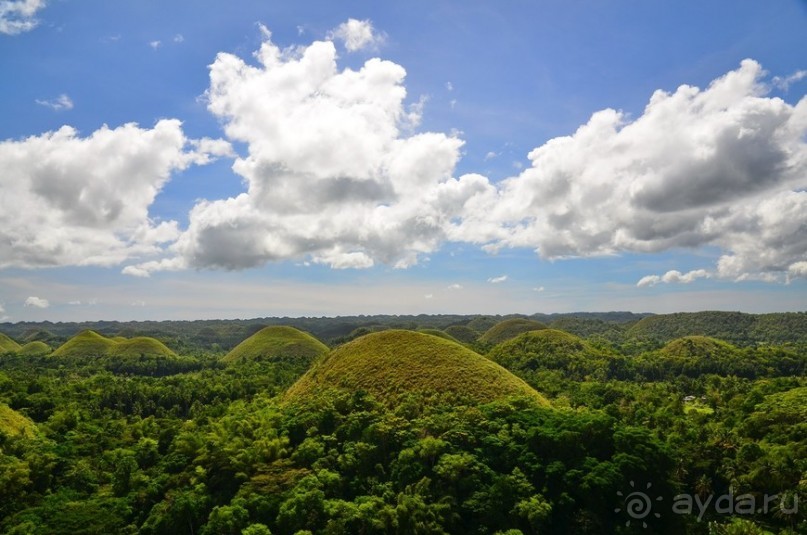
point(335, 173)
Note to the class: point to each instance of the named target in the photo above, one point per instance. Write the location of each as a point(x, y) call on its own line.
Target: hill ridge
point(90, 343)
point(509, 329)
point(280, 342)
point(391, 363)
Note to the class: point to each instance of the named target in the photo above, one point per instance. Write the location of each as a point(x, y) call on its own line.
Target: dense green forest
point(567, 423)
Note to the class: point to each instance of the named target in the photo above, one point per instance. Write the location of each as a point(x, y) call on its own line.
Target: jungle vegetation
point(405, 424)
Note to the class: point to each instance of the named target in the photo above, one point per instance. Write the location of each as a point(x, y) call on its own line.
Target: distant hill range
point(735, 327)
point(738, 328)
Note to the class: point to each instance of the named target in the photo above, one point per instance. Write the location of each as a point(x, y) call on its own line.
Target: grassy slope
point(439, 333)
point(280, 343)
point(509, 329)
point(91, 344)
point(699, 347)
point(141, 345)
point(482, 323)
point(13, 423)
point(464, 334)
point(547, 348)
point(735, 327)
point(391, 363)
point(35, 348)
point(7, 345)
point(85, 343)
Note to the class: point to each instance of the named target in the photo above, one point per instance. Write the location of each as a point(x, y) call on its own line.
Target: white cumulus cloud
point(332, 175)
point(674, 276)
point(724, 166)
point(797, 270)
point(357, 34)
point(72, 200)
point(37, 302)
point(18, 16)
point(497, 280)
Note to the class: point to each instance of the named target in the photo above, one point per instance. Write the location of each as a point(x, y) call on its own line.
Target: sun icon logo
point(638, 504)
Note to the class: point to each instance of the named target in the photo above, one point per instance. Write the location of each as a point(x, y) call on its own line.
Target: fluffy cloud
point(497, 280)
point(37, 302)
point(18, 16)
point(71, 200)
point(356, 34)
point(673, 276)
point(333, 175)
point(798, 270)
point(62, 102)
point(330, 174)
point(725, 166)
point(3, 315)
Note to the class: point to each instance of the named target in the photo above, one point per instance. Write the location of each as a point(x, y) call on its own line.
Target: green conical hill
point(278, 343)
point(85, 344)
point(735, 327)
point(35, 349)
point(40, 335)
point(13, 423)
point(441, 334)
point(548, 349)
point(464, 334)
point(140, 345)
point(699, 347)
point(482, 323)
point(696, 356)
point(508, 329)
point(392, 363)
point(91, 344)
point(7, 345)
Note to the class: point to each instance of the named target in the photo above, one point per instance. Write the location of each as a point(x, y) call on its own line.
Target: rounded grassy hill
point(140, 345)
point(695, 356)
point(699, 347)
point(91, 344)
point(482, 323)
point(439, 333)
point(463, 333)
point(7, 345)
point(509, 329)
point(35, 349)
point(279, 343)
point(735, 327)
point(41, 335)
point(548, 349)
point(85, 344)
point(12, 423)
point(392, 363)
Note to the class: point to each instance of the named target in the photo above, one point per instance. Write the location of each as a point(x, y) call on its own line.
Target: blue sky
point(192, 159)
